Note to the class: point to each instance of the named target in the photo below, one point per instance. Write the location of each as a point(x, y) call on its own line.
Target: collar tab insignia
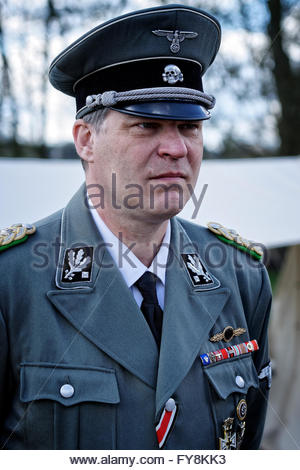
point(175, 37)
point(227, 334)
point(197, 272)
point(77, 264)
point(232, 237)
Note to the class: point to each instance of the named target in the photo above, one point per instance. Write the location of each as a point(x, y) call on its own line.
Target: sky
point(229, 113)
point(213, 134)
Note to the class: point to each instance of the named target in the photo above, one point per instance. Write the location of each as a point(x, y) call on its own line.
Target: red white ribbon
point(164, 425)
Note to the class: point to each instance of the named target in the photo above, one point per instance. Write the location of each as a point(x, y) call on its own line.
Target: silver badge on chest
point(172, 74)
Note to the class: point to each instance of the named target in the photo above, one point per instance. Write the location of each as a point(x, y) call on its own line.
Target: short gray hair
point(96, 119)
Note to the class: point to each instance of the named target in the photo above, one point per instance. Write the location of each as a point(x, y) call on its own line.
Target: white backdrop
point(259, 197)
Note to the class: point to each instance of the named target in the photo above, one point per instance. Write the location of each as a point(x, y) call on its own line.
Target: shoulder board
point(15, 234)
point(232, 237)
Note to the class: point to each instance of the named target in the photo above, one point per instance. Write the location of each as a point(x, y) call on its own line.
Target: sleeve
point(3, 369)
point(257, 399)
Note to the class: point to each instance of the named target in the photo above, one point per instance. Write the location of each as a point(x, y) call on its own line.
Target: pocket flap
point(68, 384)
point(237, 375)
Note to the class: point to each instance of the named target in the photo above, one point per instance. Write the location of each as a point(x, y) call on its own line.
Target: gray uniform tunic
point(79, 367)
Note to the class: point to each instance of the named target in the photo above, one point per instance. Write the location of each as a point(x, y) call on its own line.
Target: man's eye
point(189, 126)
point(148, 125)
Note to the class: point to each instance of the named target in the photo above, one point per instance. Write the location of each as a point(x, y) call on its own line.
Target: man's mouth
point(170, 175)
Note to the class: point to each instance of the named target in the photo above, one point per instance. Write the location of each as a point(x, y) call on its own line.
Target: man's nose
point(172, 144)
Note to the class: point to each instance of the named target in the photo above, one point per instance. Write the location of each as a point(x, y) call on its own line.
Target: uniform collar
point(129, 265)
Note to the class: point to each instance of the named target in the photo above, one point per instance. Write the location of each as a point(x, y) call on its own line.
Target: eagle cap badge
point(175, 37)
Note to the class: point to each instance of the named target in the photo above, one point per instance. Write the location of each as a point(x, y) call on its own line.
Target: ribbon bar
point(230, 351)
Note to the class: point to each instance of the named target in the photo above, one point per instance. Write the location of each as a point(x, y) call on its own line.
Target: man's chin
point(163, 213)
point(167, 207)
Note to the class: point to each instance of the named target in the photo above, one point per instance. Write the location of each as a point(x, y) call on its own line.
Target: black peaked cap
point(140, 51)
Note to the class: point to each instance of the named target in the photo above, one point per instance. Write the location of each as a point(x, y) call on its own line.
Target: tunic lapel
point(102, 309)
point(189, 314)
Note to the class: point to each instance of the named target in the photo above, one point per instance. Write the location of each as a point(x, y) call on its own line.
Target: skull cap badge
point(172, 74)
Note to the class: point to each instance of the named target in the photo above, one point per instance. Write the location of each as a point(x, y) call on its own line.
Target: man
point(122, 326)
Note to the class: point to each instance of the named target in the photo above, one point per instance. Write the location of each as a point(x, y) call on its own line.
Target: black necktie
point(150, 306)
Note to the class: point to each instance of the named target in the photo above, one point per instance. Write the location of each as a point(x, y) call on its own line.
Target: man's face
point(154, 163)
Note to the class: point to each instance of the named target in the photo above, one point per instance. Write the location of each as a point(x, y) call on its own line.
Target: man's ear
point(83, 140)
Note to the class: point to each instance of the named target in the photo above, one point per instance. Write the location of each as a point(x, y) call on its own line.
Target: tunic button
point(240, 381)
point(67, 391)
point(170, 404)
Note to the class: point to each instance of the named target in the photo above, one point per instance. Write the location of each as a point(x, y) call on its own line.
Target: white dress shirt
point(129, 265)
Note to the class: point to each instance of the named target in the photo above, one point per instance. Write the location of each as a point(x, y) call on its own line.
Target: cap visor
point(166, 110)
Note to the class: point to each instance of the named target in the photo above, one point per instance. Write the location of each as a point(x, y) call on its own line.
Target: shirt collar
point(129, 265)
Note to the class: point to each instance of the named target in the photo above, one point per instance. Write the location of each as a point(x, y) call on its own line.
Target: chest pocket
point(229, 383)
point(69, 407)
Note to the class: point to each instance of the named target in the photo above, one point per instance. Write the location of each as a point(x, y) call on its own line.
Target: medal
point(228, 441)
point(227, 334)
